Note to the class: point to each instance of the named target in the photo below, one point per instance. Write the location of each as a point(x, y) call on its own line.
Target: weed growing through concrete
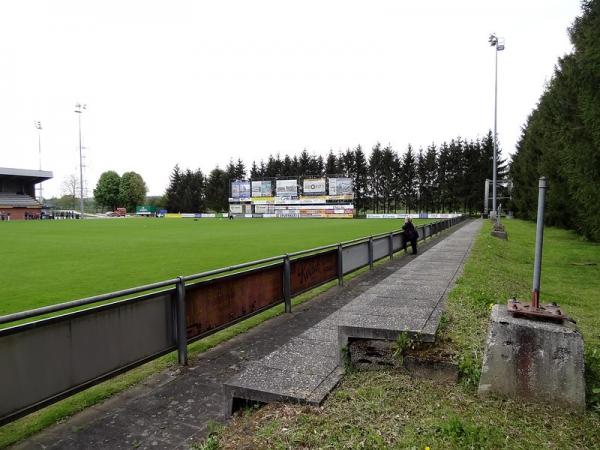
point(346, 359)
point(403, 343)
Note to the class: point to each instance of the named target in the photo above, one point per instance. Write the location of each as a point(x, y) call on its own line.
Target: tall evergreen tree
point(421, 181)
point(347, 163)
point(375, 188)
point(386, 179)
point(303, 163)
point(217, 190)
point(172, 195)
point(361, 179)
point(331, 164)
point(443, 178)
point(409, 173)
point(286, 167)
point(240, 170)
point(255, 171)
point(429, 187)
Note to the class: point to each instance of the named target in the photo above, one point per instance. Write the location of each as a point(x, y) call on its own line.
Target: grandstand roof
point(36, 176)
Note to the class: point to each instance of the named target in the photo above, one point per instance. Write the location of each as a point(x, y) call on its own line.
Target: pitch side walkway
point(172, 409)
point(409, 300)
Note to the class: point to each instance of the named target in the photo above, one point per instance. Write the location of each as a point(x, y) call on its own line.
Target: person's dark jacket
point(410, 233)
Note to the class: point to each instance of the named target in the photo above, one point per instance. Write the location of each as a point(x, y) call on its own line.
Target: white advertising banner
point(235, 209)
point(340, 186)
point(314, 186)
point(413, 216)
point(262, 188)
point(286, 188)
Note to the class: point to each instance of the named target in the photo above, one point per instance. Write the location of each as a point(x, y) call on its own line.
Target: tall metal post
point(79, 110)
point(287, 284)
point(391, 245)
point(182, 354)
point(539, 241)
point(38, 126)
point(494, 165)
point(370, 252)
point(340, 264)
point(498, 44)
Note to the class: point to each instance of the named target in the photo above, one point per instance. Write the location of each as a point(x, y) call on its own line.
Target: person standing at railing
point(409, 233)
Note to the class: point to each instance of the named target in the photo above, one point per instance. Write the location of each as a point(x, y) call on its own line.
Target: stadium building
point(17, 193)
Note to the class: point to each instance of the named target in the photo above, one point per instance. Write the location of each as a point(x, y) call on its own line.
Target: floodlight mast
point(38, 126)
point(79, 108)
point(499, 44)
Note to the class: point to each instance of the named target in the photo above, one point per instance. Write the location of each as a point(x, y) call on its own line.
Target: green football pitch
point(47, 262)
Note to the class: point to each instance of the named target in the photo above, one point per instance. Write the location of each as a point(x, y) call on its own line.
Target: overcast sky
point(198, 82)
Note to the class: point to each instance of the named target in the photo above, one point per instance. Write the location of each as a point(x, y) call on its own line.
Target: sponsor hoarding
point(286, 188)
point(340, 186)
point(314, 186)
point(413, 216)
point(235, 209)
point(240, 189)
point(145, 210)
point(262, 188)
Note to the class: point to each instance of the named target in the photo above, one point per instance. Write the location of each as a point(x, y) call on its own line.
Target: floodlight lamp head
point(493, 40)
point(37, 124)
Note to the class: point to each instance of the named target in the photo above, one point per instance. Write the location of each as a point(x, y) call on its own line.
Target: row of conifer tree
point(448, 177)
point(561, 138)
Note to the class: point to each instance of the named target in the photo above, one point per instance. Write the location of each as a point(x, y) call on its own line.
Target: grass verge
point(389, 409)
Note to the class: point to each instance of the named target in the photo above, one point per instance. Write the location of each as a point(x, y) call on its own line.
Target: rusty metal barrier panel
point(49, 359)
point(213, 304)
point(312, 271)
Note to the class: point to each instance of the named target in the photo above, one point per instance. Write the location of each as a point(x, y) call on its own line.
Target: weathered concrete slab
point(410, 300)
point(306, 362)
point(423, 299)
point(533, 360)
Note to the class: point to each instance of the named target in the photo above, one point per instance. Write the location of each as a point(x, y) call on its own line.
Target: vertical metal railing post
point(370, 252)
point(539, 242)
point(287, 284)
point(182, 355)
point(391, 245)
point(340, 265)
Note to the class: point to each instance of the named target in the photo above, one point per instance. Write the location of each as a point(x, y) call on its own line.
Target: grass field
point(390, 409)
point(47, 262)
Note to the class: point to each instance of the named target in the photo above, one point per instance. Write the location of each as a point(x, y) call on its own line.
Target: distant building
point(17, 193)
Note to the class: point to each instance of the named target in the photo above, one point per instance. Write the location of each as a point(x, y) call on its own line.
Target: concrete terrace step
point(410, 300)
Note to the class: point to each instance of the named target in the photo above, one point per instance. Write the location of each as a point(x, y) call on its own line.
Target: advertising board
point(262, 188)
point(263, 209)
point(240, 189)
point(340, 186)
point(235, 209)
point(145, 210)
point(286, 188)
point(314, 186)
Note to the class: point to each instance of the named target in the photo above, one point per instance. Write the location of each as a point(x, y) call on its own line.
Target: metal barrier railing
point(81, 348)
